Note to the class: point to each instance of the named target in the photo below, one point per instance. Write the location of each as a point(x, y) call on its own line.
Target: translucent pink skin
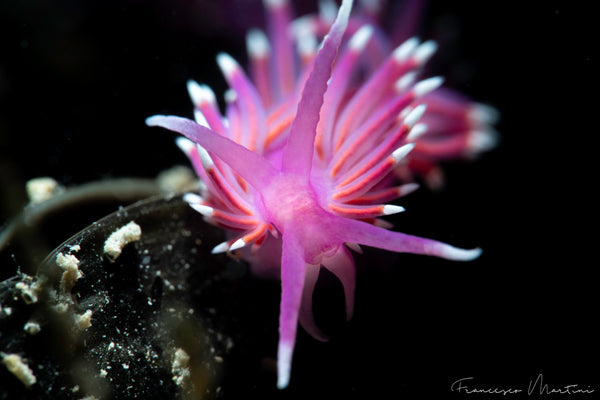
point(307, 156)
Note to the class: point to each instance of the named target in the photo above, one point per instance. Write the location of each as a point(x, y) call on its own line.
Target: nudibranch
point(300, 167)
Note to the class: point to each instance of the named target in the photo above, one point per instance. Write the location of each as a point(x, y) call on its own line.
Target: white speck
point(125, 366)
point(32, 328)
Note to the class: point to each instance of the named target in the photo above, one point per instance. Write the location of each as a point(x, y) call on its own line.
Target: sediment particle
point(70, 264)
point(42, 189)
point(15, 364)
point(83, 321)
point(113, 246)
point(180, 367)
point(32, 327)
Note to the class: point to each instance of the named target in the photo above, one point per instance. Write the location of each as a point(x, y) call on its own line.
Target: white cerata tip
point(200, 94)
point(257, 43)
point(205, 158)
point(414, 115)
point(307, 44)
point(192, 198)
point(185, 144)
point(200, 118)
point(360, 39)
point(284, 365)
point(416, 132)
point(425, 51)
point(202, 209)
point(275, 3)
point(403, 51)
point(425, 86)
point(405, 81)
point(328, 10)
point(458, 254)
point(390, 209)
point(227, 64)
point(220, 248)
point(484, 114)
point(402, 151)
point(238, 244)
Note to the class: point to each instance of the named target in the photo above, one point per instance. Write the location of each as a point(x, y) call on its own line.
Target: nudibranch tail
point(292, 281)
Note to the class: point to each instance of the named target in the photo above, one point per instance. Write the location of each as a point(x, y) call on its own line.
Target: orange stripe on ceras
point(357, 212)
point(277, 129)
point(255, 233)
point(392, 144)
point(227, 217)
point(380, 196)
point(374, 176)
point(227, 192)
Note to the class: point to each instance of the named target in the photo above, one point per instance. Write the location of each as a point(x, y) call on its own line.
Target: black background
point(77, 80)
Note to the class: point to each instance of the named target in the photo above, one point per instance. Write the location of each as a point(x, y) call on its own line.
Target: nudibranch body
point(302, 164)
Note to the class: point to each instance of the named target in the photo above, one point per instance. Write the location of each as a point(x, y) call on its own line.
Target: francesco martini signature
point(536, 386)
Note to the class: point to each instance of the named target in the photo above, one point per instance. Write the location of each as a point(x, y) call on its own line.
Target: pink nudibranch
point(304, 160)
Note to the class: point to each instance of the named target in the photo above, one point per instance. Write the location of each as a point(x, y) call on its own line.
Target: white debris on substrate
point(15, 364)
point(83, 321)
point(177, 180)
point(30, 288)
point(32, 328)
point(42, 189)
point(113, 246)
point(181, 367)
point(70, 265)
point(6, 311)
point(71, 273)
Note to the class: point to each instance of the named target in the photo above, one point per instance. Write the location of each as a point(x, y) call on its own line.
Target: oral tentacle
point(283, 69)
point(299, 149)
point(253, 168)
point(369, 235)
